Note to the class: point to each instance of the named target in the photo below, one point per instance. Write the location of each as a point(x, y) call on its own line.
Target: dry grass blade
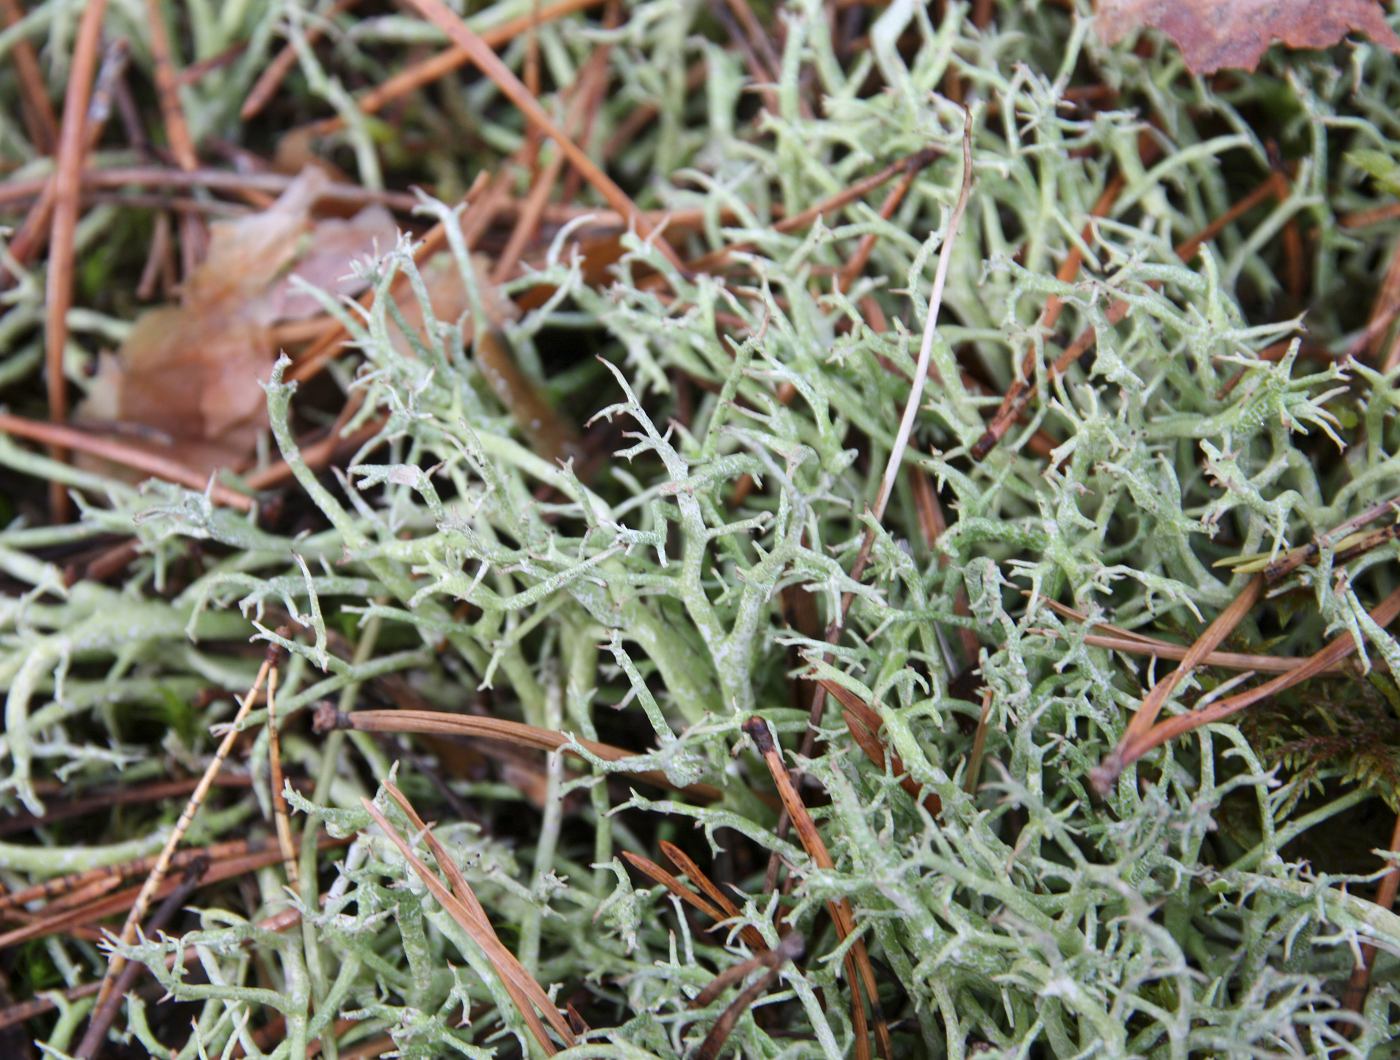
point(70, 438)
point(58, 294)
point(467, 912)
point(148, 890)
point(1382, 614)
point(514, 732)
point(490, 64)
point(1107, 772)
point(859, 971)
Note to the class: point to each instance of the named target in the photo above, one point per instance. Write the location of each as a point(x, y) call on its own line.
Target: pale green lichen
point(1178, 918)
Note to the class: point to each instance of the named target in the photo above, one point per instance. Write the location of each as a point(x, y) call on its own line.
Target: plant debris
point(1234, 34)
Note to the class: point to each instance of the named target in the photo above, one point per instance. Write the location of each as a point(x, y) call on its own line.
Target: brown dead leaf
point(187, 381)
point(1218, 34)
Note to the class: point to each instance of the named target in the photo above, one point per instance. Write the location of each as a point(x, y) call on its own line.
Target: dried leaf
point(1218, 34)
point(188, 377)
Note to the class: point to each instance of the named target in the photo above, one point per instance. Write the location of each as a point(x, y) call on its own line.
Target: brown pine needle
point(67, 185)
point(106, 1012)
point(39, 119)
point(657, 874)
point(513, 732)
point(683, 862)
point(1107, 772)
point(893, 198)
point(1342, 647)
point(95, 911)
point(177, 130)
point(979, 745)
point(461, 904)
point(864, 723)
point(791, 948)
point(158, 871)
point(437, 66)
point(490, 64)
point(70, 438)
point(1019, 394)
point(859, 972)
point(270, 80)
point(1360, 983)
point(1131, 642)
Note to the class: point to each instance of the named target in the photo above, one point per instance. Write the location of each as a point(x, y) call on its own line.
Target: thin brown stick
point(1107, 772)
point(1342, 647)
point(177, 130)
point(106, 1012)
point(853, 268)
point(58, 294)
point(859, 972)
point(1295, 558)
point(37, 110)
point(1360, 983)
point(790, 948)
point(57, 436)
point(270, 80)
point(490, 64)
point(513, 732)
point(143, 899)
